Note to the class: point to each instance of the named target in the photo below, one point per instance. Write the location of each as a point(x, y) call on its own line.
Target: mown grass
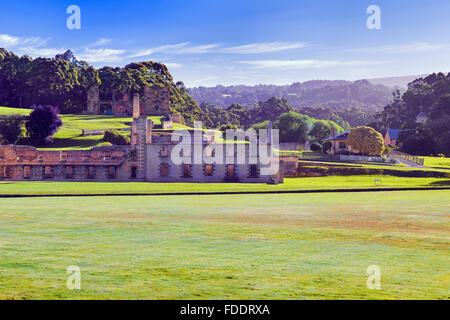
point(309, 246)
point(437, 162)
point(290, 184)
point(69, 136)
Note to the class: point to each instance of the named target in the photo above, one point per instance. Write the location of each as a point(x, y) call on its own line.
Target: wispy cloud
point(263, 47)
point(404, 48)
point(7, 40)
point(101, 55)
point(251, 48)
point(100, 42)
point(10, 41)
point(173, 65)
point(179, 48)
point(40, 52)
point(302, 64)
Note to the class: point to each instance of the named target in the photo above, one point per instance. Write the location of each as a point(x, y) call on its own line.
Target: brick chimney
point(136, 106)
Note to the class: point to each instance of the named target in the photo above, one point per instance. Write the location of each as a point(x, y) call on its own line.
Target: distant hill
point(335, 94)
point(401, 82)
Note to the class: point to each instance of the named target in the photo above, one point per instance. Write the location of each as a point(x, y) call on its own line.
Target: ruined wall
point(98, 164)
point(161, 167)
point(156, 100)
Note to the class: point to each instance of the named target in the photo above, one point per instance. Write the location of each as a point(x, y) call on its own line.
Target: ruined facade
point(155, 102)
point(148, 158)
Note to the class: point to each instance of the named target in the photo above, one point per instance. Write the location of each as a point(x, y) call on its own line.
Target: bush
point(366, 140)
point(327, 146)
point(114, 137)
point(227, 126)
point(43, 123)
point(11, 128)
point(316, 147)
point(387, 150)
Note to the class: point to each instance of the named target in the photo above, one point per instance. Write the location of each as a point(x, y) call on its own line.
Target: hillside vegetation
point(63, 81)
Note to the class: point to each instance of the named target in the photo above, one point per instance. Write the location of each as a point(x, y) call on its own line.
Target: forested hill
point(336, 94)
point(63, 81)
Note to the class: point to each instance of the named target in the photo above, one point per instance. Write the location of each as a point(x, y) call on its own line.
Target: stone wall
point(156, 100)
point(97, 164)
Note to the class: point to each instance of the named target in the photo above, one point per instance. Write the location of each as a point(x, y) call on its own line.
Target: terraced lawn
point(69, 136)
point(308, 246)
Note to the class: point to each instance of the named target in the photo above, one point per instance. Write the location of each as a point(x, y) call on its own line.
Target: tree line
point(63, 82)
point(430, 95)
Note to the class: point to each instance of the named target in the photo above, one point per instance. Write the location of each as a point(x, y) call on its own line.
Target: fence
point(85, 133)
point(404, 156)
point(366, 159)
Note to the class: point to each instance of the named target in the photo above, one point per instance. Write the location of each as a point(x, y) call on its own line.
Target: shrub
point(227, 126)
point(327, 146)
point(316, 147)
point(11, 128)
point(387, 150)
point(43, 123)
point(366, 140)
point(114, 137)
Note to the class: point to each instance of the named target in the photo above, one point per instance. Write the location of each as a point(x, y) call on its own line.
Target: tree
point(366, 140)
point(316, 147)
point(44, 122)
point(227, 126)
point(294, 127)
point(323, 129)
point(114, 137)
point(327, 146)
point(417, 141)
point(11, 128)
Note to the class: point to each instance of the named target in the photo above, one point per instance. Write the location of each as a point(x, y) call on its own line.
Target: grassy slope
point(437, 162)
point(312, 246)
point(69, 136)
point(329, 182)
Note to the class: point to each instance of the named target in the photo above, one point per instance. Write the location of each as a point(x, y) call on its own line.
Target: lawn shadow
point(440, 183)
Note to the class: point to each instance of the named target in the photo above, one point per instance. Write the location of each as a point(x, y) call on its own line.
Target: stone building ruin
point(148, 158)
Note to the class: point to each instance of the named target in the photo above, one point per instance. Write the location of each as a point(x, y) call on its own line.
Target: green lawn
point(69, 136)
point(310, 183)
point(437, 162)
point(308, 246)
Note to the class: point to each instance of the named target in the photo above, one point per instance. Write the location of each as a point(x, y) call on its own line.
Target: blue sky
point(240, 42)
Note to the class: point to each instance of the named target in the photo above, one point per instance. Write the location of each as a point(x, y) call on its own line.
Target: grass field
point(310, 183)
point(309, 246)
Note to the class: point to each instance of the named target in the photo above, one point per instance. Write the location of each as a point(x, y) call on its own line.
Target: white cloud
point(100, 55)
point(173, 65)
point(9, 41)
point(302, 64)
point(100, 42)
point(179, 48)
point(263, 47)
point(41, 52)
point(251, 48)
point(404, 48)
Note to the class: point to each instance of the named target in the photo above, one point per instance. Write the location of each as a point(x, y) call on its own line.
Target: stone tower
point(141, 135)
point(93, 100)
